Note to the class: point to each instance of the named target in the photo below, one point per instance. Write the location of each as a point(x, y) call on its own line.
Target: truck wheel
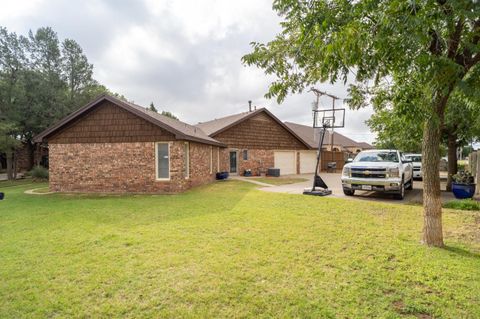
point(410, 185)
point(349, 192)
point(401, 193)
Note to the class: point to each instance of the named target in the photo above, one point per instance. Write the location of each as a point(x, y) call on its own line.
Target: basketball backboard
point(329, 118)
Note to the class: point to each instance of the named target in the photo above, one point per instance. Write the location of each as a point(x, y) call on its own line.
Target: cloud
point(182, 55)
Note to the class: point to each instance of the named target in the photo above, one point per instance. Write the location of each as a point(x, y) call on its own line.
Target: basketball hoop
point(330, 118)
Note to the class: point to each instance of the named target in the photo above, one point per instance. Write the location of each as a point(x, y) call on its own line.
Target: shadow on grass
point(462, 252)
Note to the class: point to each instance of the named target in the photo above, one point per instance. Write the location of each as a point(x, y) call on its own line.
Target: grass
point(464, 204)
point(279, 180)
point(229, 250)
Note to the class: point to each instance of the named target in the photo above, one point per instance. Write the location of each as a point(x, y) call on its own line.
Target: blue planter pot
point(462, 191)
point(222, 175)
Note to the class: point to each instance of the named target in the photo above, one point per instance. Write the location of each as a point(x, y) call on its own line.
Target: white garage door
point(285, 161)
point(308, 160)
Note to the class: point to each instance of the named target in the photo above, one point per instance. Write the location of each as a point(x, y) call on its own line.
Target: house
point(340, 142)
point(257, 140)
point(111, 145)
point(115, 146)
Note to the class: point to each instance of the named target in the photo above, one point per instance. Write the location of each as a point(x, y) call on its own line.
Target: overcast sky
point(182, 55)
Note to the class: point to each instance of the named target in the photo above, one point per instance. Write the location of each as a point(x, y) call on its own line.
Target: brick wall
point(124, 167)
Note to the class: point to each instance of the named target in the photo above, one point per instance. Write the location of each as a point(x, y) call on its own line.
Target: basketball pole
point(327, 122)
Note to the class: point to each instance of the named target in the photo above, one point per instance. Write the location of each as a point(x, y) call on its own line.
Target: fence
point(338, 157)
point(474, 168)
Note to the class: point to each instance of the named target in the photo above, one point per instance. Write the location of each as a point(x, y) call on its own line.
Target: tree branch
point(454, 39)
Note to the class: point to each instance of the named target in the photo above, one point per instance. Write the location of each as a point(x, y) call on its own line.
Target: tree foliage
point(169, 114)
point(41, 81)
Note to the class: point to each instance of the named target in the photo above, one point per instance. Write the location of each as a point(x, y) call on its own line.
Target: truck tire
point(401, 193)
point(410, 184)
point(349, 192)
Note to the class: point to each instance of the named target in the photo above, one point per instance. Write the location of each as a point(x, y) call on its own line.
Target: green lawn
point(228, 250)
point(279, 180)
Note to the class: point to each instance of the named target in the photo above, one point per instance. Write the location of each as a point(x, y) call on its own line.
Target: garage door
point(285, 161)
point(308, 160)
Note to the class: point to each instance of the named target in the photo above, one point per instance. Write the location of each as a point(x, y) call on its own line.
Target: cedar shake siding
point(110, 146)
point(259, 132)
point(108, 123)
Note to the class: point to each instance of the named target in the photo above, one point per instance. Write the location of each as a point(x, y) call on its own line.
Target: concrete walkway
point(333, 180)
point(245, 179)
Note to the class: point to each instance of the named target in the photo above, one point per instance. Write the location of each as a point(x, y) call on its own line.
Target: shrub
point(463, 177)
point(39, 173)
point(464, 204)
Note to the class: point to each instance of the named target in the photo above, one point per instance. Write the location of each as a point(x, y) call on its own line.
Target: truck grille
point(369, 172)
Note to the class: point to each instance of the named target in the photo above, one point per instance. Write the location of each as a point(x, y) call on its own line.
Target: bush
point(464, 204)
point(39, 173)
point(463, 177)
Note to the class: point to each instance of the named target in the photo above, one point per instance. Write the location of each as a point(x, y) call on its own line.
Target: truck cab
point(386, 171)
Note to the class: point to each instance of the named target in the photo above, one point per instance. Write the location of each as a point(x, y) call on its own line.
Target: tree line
point(42, 79)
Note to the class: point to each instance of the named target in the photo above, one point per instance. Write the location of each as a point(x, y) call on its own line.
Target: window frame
point(245, 155)
point(156, 162)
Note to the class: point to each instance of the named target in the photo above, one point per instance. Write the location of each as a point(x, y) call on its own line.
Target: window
point(211, 159)
point(218, 159)
point(186, 160)
point(245, 155)
point(162, 155)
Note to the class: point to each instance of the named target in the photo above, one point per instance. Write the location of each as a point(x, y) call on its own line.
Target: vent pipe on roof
point(249, 106)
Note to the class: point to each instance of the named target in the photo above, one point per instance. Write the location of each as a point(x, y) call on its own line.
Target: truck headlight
point(393, 172)
point(346, 171)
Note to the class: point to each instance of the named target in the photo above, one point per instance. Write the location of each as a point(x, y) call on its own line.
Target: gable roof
point(365, 145)
point(308, 134)
point(219, 125)
point(181, 130)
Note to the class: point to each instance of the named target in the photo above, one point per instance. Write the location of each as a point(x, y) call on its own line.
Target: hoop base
point(317, 192)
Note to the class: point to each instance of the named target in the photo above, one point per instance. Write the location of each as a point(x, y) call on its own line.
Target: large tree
point(420, 49)
point(41, 81)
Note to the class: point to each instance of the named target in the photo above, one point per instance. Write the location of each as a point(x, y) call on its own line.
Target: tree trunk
point(9, 156)
point(432, 203)
point(14, 160)
point(31, 154)
point(452, 159)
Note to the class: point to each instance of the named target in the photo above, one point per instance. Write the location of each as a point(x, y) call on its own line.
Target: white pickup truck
point(416, 163)
point(385, 171)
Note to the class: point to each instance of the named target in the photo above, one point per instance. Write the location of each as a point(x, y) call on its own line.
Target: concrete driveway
point(334, 183)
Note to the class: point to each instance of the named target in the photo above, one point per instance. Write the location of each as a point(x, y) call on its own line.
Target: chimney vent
point(250, 106)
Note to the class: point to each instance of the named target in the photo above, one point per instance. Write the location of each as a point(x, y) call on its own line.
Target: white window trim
point(187, 153)
point(156, 162)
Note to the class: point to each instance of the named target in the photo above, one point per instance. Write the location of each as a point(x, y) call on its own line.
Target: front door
point(233, 162)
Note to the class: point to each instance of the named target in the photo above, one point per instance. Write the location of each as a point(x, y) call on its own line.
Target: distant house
point(340, 142)
point(115, 146)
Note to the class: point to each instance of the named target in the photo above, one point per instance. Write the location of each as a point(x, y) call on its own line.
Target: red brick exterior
point(258, 161)
point(125, 167)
